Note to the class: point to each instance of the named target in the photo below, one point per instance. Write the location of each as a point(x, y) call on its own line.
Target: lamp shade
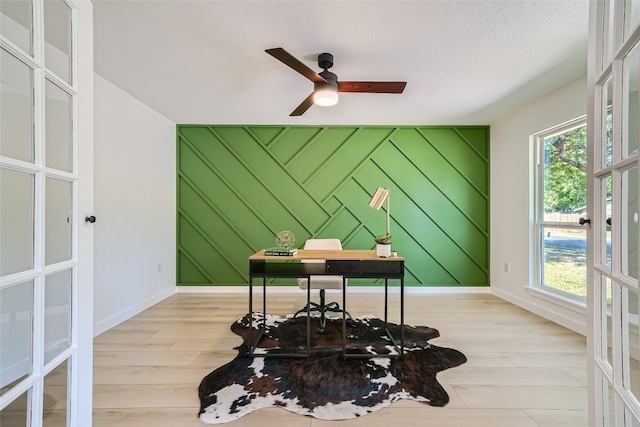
point(378, 198)
point(325, 95)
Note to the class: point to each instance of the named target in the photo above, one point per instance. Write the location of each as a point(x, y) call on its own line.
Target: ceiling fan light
point(325, 96)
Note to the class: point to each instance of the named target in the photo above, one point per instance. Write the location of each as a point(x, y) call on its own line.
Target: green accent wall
point(238, 186)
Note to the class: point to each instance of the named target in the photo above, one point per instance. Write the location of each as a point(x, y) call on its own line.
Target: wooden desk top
point(346, 254)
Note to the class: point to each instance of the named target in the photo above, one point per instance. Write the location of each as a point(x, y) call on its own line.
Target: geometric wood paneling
point(238, 186)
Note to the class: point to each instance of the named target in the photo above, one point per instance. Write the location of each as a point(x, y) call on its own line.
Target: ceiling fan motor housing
point(325, 61)
point(332, 80)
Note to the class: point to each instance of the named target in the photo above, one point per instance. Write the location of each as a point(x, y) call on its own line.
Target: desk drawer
point(355, 268)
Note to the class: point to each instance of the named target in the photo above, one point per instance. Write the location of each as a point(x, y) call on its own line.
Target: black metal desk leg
point(250, 315)
point(402, 316)
point(264, 304)
point(344, 316)
point(386, 300)
point(308, 316)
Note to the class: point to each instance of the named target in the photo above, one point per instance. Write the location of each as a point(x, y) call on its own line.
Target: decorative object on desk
point(285, 240)
point(325, 385)
point(383, 242)
point(383, 245)
point(277, 251)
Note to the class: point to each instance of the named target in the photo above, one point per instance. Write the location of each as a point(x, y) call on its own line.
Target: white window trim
point(535, 287)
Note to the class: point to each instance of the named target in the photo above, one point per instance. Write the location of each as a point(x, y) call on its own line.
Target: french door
point(44, 349)
point(614, 166)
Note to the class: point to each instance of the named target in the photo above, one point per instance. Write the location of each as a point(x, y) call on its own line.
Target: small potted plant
point(383, 245)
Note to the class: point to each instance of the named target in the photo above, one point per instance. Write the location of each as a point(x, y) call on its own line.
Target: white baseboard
point(120, 317)
point(352, 289)
point(542, 311)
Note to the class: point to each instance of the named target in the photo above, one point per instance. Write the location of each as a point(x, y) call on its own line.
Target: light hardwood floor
point(522, 370)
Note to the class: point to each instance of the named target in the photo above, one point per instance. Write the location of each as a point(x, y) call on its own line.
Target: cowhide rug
point(326, 385)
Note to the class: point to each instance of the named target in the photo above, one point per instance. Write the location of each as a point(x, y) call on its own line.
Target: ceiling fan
point(326, 84)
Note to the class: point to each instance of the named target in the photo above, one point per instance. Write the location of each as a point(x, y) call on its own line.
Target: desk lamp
point(378, 199)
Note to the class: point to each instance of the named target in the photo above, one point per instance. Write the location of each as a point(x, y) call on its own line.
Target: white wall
point(511, 201)
point(135, 206)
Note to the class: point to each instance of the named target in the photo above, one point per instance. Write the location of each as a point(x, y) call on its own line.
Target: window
point(560, 208)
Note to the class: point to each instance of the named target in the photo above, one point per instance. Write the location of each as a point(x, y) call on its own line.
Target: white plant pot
point(383, 251)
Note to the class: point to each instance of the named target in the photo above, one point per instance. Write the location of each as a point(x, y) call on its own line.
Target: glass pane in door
point(58, 128)
point(607, 123)
point(606, 321)
point(57, 37)
point(603, 255)
point(631, 17)
point(54, 411)
point(630, 217)
point(16, 221)
point(564, 260)
point(58, 211)
point(16, 326)
point(17, 412)
point(607, 45)
point(16, 108)
point(57, 314)
point(631, 372)
point(631, 85)
point(608, 401)
point(16, 23)
point(629, 419)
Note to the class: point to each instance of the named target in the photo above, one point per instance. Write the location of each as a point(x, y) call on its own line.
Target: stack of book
point(280, 252)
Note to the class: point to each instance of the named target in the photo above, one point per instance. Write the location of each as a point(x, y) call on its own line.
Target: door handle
point(90, 219)
point(583, 221)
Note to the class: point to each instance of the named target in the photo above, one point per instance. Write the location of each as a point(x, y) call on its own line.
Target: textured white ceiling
point(465, 62)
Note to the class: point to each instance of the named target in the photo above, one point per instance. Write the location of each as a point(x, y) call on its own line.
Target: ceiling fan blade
point(372, 87)
point(286, 58)
point(304, 106)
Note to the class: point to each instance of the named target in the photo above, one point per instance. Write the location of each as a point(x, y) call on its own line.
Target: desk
point(350, 264)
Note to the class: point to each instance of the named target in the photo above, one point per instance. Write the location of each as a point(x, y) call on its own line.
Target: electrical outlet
point(506, 267)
